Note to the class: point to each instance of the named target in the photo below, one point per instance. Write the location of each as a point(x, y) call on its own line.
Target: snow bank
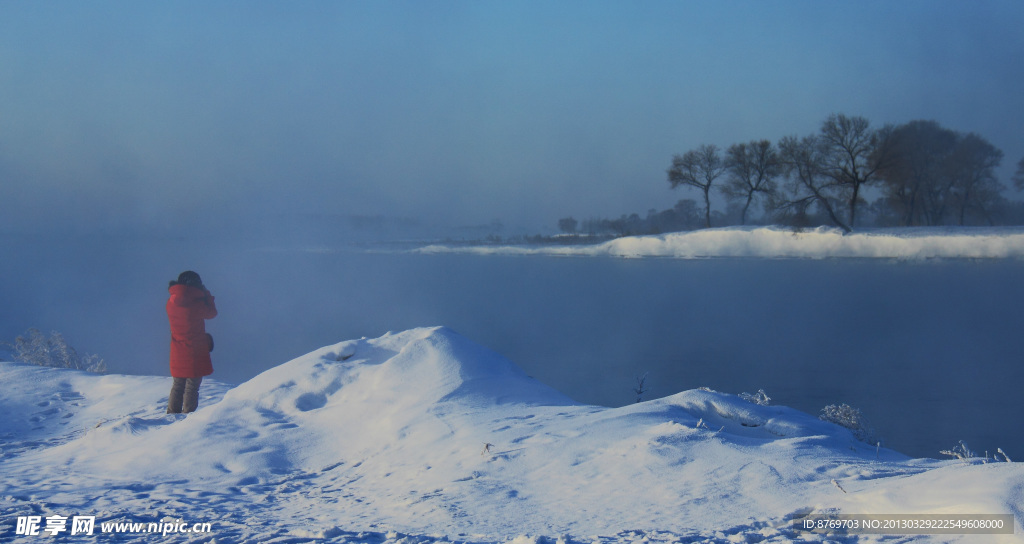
point(774, 242)
point(423, 436)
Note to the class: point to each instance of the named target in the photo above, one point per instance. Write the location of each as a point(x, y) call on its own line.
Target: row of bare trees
point(926, 174)
point(939, 176)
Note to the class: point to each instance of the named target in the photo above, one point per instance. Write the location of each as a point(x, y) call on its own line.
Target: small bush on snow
point(760, 398)
point(960, 451)
point(36, 348)
point(847, 416)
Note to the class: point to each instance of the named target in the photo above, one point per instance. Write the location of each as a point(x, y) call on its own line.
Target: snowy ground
point(776, 242)
point(424, 436)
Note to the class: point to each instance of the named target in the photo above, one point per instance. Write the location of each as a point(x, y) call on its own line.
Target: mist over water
point(928, 350)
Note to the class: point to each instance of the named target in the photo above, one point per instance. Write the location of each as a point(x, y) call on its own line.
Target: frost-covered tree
point(36, 348)
point(847, 416)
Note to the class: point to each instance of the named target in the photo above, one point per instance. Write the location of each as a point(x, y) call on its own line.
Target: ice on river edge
point(777, 242)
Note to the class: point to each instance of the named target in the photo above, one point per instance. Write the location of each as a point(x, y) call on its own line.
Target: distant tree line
point(685, 215)
point(919, 173)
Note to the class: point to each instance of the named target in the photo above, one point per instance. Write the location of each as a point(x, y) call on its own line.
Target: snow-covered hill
point(424, 436)
point(776, 242)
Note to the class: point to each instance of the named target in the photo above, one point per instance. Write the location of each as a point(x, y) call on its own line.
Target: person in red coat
point(189, 306)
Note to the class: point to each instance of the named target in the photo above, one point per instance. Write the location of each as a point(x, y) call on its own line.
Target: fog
point(925, 348)
point(119, 115)
point(138, 140)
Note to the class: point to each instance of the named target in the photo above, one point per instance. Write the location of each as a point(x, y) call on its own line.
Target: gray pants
point(184, 396)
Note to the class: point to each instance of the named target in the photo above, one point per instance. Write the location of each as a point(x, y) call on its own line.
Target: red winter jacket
point(187, 309)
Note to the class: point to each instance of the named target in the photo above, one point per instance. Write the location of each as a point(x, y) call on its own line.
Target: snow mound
point(426, 433)
point(775, 242)
point(417, 367)
point(302, 414)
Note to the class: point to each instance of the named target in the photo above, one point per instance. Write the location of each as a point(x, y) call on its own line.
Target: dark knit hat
point(189, 277)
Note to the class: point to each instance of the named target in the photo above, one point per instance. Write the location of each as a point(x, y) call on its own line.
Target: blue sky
point(146, 113)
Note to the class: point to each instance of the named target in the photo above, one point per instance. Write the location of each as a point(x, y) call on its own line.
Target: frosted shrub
point(847, 416)
point(960, 451)
point(36, 348)
point(760, 398)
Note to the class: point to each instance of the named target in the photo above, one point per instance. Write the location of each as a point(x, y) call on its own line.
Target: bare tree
point(568, 225)
point(1018, 177)
point(971, 170)
point(641, 387)
point(698, 168)
point(804, 163)
point(940, 176)
point(853, 154)
point(753, 169)
point(914, 177)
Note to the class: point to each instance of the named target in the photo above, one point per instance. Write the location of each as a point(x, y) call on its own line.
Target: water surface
point(930, 351)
